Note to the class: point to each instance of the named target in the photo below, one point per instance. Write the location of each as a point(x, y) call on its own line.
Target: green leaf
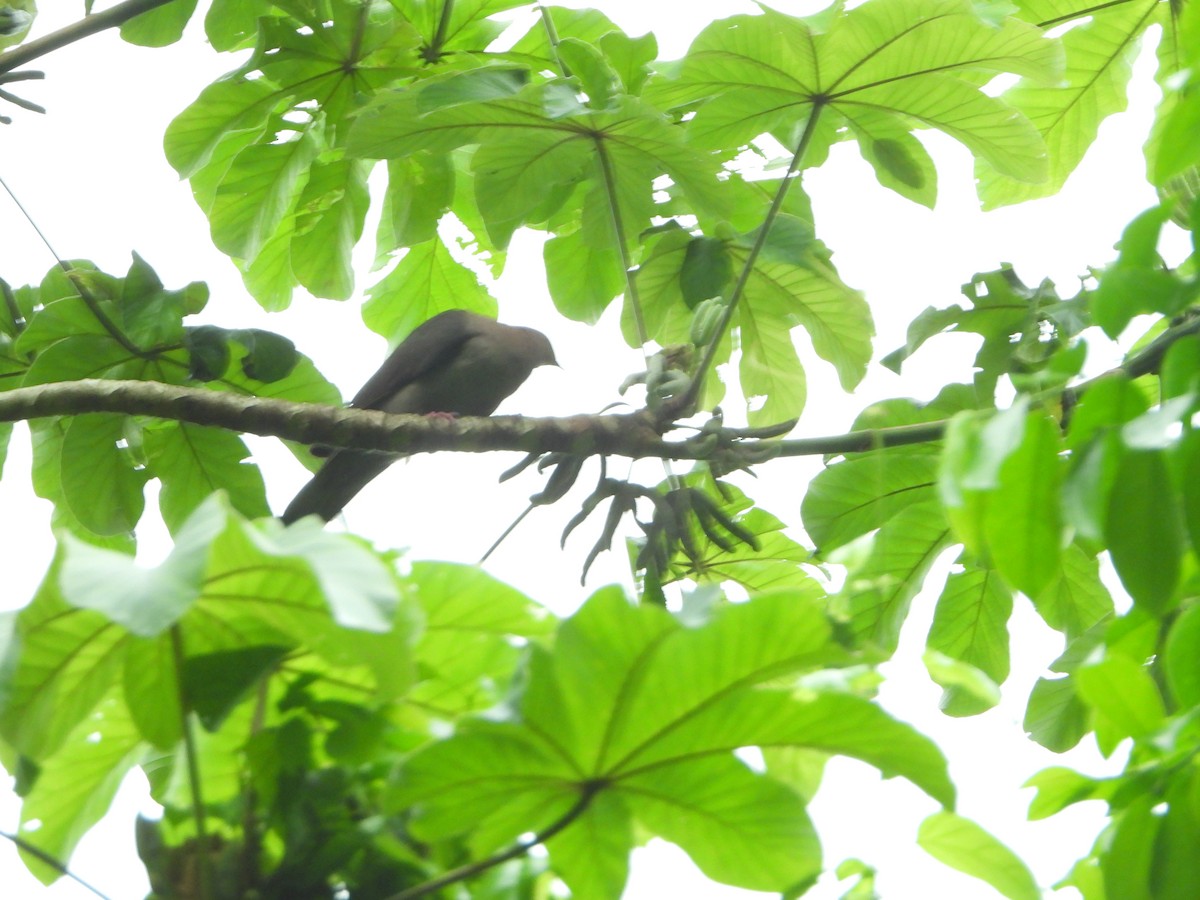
point(592, 855)
point(224, 107)
point(1136, 283)
point(587, 63)
point(1057, 788)
point(771, 375)
point(151, 690)
point(193, 461)
point(1144, 529)
point(963, 845)
point(1187, 459)
point(1180, 371)
point(880, 589)
point(1099, 50)
point(467, 26)
point(900, 161)
point(582, 278)
point(427, 281)
point(61, 662)
point(1022, 525)
point(862, 493)
point(159, 27)
point(76, 786)
point(836, 317)
point(1056, 717)
point(149, 315)
point(467, 652)
point(630, 702)
point(358, 587)
point(144, 601)
point(1129, 858)
point(257, 191)
point(1182, 652)
point(588, 25)
point(472, 86)
point(975, 448)
point(630, 57)
point(1175, 867)
point(419, 191)
point(1176, 151)
point(76, 357)
point(99, 481)
point(1075, 599)
point(769, 73)
point(230, 24)
point(966, 691)
point(738, 827)
point(970, 624)
point(269, 356)
point(706, 272)
point(214, 683)
point(1124, 698)
point(329, 221)
point(514, 176)
point(208, 352)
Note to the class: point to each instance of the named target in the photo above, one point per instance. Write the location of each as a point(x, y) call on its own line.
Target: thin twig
point(51, 861)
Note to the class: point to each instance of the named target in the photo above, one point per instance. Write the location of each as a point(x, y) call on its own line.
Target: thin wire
point(33, 224)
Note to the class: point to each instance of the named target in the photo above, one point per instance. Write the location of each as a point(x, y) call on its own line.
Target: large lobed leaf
point(632, 717)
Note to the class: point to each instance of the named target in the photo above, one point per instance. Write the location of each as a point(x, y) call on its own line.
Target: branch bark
point(76, 31)
point(632, 435)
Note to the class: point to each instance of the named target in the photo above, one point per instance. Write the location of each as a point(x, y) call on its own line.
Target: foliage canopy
point(318, 720)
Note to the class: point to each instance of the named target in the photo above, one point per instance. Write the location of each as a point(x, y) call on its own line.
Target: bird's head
point(537, 348)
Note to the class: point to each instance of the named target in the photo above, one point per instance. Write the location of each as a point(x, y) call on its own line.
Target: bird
point(457, 363)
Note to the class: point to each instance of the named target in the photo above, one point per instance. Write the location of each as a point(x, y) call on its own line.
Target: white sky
point(93, 175)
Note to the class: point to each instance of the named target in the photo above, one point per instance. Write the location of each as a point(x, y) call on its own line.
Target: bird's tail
point(344, 474)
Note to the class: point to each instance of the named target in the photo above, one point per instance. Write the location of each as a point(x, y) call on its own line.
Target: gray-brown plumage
point(457, 362)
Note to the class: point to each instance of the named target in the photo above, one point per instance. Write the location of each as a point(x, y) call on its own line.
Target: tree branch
point(76, 31)
point(632, 435)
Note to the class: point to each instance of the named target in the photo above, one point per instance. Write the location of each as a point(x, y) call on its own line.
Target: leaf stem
point(87, 296)
point(614, 214)
point(552, 37)
point(520, 848)
point(434, 51)
point(360, 28)
point(688, 398)
point(51, 862)
point(76, 31)
point(204, 861)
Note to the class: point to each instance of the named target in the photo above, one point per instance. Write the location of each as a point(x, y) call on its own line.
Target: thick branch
point(76, 31)
point(621, 435)
point(633, 435)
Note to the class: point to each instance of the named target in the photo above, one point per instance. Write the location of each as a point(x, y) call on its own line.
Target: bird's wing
point(430, 344)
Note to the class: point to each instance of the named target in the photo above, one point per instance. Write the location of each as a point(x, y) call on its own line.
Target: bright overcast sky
point(93, 175)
